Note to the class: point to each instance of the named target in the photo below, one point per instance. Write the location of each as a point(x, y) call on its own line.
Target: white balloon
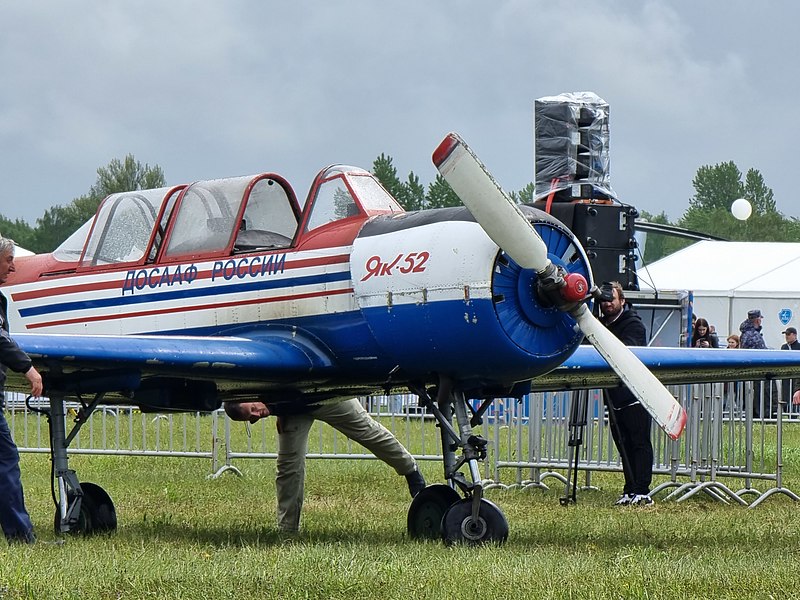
point(741, 209)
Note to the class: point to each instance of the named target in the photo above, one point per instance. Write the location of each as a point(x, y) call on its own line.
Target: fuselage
point(391, 296)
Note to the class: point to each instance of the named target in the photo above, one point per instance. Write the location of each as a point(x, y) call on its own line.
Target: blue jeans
point(14, 518)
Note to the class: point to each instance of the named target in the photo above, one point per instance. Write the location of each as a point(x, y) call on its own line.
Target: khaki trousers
point(348, 417)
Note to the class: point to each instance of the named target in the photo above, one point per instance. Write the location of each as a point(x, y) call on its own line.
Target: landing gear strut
point(81, 508)
point(438, 511)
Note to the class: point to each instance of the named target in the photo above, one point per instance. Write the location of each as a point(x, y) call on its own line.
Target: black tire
point(96, 515)
point(427, 509)
point(458, 527)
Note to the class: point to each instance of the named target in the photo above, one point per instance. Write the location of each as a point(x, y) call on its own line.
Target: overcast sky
point(218, 89)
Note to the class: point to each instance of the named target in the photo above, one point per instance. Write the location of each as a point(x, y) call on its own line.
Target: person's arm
point(15, 359)
point(32, 375)
point(11, 355)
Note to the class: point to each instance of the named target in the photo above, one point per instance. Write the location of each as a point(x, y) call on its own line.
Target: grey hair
point(6, 246)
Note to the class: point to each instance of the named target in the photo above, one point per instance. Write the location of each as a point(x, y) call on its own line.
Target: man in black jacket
point(14, 519)
point(788, 385)
point(630, 422)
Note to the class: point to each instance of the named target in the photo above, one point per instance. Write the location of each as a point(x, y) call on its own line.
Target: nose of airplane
point(503, 221)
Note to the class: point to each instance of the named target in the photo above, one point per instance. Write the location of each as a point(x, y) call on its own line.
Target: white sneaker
point(641, 500)
point(624, 500)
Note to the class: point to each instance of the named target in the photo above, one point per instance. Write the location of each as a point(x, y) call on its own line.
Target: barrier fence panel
point(733, 434)
point(116, 430)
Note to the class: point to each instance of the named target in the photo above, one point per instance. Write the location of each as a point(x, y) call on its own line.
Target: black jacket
point(795, 345)
point(11, 355)
point(628, 327)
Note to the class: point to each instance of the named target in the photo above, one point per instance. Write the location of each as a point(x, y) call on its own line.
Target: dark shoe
point(22, 538)
point(416, 482)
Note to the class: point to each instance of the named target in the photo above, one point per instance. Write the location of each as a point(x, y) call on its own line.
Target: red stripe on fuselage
point(179, 309)
point(118, 283)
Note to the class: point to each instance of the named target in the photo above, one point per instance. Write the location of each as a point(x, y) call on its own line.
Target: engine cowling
point(431, 284)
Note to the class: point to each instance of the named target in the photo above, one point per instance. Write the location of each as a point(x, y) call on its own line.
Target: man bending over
point(348, 417)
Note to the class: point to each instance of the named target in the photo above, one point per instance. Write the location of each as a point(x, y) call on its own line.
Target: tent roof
point(747, 268)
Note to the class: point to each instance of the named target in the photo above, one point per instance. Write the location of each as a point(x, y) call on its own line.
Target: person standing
point(752, 337)
point(630, 422)
point(14, 518)
point(704, 336)
point(787, 385)
point(790, 334)
point(347, 416)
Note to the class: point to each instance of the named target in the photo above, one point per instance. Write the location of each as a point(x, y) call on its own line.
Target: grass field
point(184, 536)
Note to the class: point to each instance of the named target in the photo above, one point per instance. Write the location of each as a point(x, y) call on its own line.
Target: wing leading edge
point(587, 369)
point(280, 356)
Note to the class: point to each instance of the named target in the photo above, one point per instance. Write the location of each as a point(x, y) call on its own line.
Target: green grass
point(184, 536)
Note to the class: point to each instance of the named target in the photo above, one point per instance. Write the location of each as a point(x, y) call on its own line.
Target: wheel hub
point(473, 529)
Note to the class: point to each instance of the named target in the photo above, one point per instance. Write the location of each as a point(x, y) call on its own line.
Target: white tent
point(20, 251)
point(730, 278)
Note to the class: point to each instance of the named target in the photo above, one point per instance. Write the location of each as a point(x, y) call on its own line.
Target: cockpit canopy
point(220, 216)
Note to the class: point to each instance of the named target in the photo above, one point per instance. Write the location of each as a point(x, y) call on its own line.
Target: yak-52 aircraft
point(177, 299)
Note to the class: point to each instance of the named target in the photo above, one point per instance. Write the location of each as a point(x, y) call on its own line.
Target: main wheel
point(427, 509)
point(96, 515)
point(458, 526)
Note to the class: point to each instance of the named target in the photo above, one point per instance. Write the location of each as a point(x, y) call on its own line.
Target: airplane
point(184, 297)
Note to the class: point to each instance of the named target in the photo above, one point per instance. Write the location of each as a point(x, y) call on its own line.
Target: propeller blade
point(508, 228)
point(659, 402)
point(496, 213)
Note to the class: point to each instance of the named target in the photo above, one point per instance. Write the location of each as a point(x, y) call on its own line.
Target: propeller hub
point(575, 288)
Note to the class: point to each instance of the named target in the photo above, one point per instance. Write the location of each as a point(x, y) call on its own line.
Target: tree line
point(59, 222)
point(709, 211)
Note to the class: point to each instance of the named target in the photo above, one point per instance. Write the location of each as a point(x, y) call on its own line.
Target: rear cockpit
point(238, 214)
point(125, 225)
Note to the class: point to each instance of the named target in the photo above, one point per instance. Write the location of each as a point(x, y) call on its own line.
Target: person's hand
point(32, 375)
point(796, 397)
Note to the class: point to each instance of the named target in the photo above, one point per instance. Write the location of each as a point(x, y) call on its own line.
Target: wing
point(587, 369)
point(151, 367)
point(275, 356)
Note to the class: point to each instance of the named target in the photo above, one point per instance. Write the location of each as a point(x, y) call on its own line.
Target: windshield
point(123, 227)
point(70, 249)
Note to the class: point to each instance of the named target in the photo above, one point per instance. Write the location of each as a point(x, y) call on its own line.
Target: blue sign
point(785, 315)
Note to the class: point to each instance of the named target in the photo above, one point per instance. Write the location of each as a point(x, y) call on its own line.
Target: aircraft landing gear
point(427, 510)
point(460, 527)
point(438, 511)
point(81, 508)
point(93, 514)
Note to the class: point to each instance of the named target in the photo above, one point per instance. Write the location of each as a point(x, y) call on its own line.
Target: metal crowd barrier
point(734, 437)
point(734, 432)
point(117, 430)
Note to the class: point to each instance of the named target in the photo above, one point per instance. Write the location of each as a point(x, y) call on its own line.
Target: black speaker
point(613, 264)
point(606, 233)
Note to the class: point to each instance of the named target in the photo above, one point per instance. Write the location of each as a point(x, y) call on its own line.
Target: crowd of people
point(750, 336)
